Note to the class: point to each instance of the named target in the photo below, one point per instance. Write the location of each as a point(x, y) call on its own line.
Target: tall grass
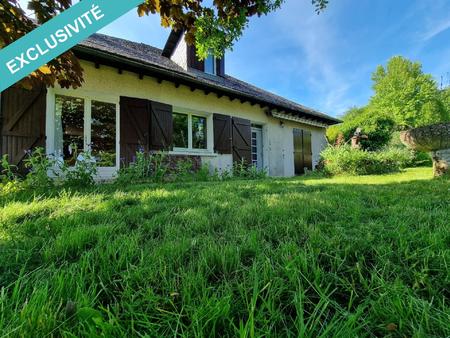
point(347, 256)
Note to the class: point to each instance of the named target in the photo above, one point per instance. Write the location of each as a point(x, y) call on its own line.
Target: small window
point(199, 132)
point(180, 130)
point(190, 132)
point(210, 64)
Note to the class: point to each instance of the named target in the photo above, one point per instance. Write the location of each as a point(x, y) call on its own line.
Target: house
point(138, 97)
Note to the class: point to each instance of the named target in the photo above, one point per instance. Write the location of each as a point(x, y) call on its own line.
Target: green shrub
point(243, 170)
point(419, 159)
point(39, 165)
point(82, 173)
point(7, 170)
point(345, 160)
point(378, 128)
point(153, 167)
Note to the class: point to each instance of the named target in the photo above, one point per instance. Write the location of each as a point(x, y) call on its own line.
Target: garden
point(313, 256)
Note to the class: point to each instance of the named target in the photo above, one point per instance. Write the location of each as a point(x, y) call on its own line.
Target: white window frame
point(88, 97)
point(209, 133)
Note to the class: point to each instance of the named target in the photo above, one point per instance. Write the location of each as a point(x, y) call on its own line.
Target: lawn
point(313, 257)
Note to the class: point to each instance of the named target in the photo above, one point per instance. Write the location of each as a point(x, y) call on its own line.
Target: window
point(69, 127)
point(210, 64)
point(180, 130)
point(190, 132)
point(81, 124)
point(103, 133)
point(199, 132)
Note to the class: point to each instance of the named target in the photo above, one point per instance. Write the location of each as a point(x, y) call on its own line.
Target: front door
point(302, 151)
point(257, 149)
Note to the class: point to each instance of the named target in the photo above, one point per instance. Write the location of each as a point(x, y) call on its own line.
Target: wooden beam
point(159, 80)
point(141, 76)
point(192, 89)
point(177, 85)
point(119, 71)
point(219, 95)
point(97, 65)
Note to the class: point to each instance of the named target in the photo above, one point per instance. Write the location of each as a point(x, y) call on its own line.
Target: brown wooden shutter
point(22, 117)
point(134, 127)
point(161, 126)
point(302, 151)
point(298, 151)
point(220, 66)
point(192, 59)
point(222, 134)
point(242, 138)
point(307, 149)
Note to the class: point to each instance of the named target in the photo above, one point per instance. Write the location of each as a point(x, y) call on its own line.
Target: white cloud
point(436, 29)
point(316, 37)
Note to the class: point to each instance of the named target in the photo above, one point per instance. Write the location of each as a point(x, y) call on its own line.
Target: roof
point(146, 59)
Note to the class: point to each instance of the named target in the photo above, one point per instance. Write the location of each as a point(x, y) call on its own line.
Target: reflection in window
point(69, 127)
point(199, 132)
point(180, 130)
point(210, 64)
point(103, 133)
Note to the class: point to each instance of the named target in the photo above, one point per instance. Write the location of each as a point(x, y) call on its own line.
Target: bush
point(82, 173)
point(376, 127)
point(345, 160)
point(153, 167)
point(420, 158)
point(38, 165)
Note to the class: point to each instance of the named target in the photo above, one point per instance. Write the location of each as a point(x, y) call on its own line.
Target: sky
point(325, 61)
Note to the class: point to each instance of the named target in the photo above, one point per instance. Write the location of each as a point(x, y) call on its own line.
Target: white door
point(257, 149)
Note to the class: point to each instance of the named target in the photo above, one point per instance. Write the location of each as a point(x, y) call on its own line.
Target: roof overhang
point(100, 57)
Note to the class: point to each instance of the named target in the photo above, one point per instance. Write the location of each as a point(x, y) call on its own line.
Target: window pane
point(103, 133)
point(209, 64)
point(199, 132)
point(69, 127)
point(180, 130)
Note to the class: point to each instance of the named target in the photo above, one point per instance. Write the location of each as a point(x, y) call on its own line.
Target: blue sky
point(325, 61)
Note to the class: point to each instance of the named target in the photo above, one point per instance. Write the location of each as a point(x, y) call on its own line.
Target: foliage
point(39, 165)
point(213, 26)
point(83, 173)
point(445, 99)
point(344, 160)
point(377, 128)
point(402, 91)
point(299, 257)
point(146, 166)
point(8, 170)
point(157, 167)
point(420, 158)
point(243, 170)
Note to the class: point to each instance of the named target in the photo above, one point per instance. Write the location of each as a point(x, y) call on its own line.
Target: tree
point(212, 25)
point(445, 100)
point(376, 127)
point(405, 93)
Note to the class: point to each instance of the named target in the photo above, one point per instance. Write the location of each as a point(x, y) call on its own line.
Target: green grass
point(314, 257)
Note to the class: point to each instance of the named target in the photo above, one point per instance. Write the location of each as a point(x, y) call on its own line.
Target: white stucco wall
point(278, 159)
point(179, 55)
